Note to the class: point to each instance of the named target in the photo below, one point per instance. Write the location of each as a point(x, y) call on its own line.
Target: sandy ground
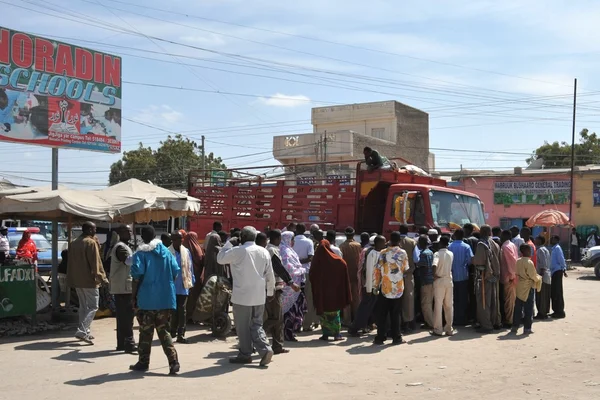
point(558, 362)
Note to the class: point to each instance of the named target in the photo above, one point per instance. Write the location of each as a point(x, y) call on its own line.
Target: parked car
point(44, 247)
point(591, 258)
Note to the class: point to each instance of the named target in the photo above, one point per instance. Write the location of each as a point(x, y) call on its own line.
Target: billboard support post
point(55, 284)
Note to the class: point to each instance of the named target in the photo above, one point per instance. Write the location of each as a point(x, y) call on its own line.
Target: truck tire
point(597, 269)
point(221, 325)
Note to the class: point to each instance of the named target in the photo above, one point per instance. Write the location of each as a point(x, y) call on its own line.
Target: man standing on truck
point(487, 270)
point(305, 249)
point(351, 253)
point(372, 159)
point(408, 297)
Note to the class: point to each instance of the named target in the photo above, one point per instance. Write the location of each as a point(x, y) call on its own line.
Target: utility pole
point(325, 155)
point(572, 191)
point(203, 162)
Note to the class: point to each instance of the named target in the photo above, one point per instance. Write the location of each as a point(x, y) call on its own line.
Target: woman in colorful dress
point(293, 303)
point(330, 288)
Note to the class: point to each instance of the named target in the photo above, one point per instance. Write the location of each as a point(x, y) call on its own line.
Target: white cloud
point(282, 100)
point(162, 115)
point(543, 84)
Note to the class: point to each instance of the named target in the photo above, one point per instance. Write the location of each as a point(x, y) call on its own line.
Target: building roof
point(380, 103)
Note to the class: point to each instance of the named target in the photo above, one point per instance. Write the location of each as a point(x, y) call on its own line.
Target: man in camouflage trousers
point(154, 269)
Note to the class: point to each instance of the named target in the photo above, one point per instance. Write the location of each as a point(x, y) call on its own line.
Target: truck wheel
point(221, 325)
point(597, 270)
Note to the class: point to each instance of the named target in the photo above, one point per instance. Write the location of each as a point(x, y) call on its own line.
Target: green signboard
point(532, 192)
point(217, 178)
point(17, 290)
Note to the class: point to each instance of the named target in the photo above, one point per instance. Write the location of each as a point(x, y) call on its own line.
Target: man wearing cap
point(434, 237)
point(351, 250)
point(4, 245)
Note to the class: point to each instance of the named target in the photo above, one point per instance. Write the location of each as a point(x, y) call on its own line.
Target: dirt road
point(558, 362)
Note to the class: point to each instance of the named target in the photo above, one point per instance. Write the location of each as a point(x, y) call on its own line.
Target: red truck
point(375, 201)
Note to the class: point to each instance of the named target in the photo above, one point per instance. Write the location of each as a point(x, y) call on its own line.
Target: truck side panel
point(331, 206)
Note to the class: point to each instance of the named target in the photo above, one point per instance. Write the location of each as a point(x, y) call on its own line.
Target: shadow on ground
point(222, 366)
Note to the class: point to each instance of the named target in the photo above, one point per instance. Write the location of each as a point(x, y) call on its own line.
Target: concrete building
point(512, 197)
point(586, 202)
point(340, 133)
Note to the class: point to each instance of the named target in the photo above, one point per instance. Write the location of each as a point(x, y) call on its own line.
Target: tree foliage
point(558, 155)
point(167, 166)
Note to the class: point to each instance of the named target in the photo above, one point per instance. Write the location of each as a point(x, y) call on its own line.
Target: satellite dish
point(537, 164)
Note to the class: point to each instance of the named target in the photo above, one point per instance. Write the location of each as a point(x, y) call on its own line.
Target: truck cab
point(389, 198)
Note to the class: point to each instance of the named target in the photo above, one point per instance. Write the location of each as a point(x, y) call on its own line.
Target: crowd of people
point(296, 280)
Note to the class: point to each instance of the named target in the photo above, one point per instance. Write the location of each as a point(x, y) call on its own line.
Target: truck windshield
point(449, 207)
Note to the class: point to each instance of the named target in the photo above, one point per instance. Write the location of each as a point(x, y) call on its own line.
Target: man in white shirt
point(369, 300)
point(217, 227)
point(443, 291)
point(305, 249)
point(516, 236)
point(252, 274)
point(330, 236)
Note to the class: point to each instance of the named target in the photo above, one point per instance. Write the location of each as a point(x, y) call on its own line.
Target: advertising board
point(58, 95)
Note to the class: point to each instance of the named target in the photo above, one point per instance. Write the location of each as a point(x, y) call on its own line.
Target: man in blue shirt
point(463, 256)
point(154, 270)
point(558, 269)
point(425, 268)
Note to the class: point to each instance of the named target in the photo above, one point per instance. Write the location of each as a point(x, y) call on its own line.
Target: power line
point(146, 7)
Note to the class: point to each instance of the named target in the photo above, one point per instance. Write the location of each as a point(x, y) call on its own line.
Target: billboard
point(58, 95)
point(532, 192)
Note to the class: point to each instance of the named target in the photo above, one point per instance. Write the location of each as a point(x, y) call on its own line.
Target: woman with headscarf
point(26, 249)
point(211, 266)
point(293, 303)
point(191, 243)
point(331, 289)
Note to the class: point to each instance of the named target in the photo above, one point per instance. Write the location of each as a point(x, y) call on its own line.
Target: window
point(378, 133)
point(447, 207)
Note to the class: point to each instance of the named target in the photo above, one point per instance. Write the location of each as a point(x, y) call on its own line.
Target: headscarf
point(26, 248)
point(211, 266)
point(330, 280)
point(191, 243)
point(291, 262)
point(183, 234)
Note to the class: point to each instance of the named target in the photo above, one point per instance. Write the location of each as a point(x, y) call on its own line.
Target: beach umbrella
point(548, 218)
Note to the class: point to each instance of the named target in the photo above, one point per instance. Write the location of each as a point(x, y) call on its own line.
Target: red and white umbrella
point(549, 218)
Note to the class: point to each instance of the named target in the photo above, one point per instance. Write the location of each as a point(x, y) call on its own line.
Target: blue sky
point(494, 76)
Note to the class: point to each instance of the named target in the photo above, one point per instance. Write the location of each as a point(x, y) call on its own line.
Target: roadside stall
point(135, 202)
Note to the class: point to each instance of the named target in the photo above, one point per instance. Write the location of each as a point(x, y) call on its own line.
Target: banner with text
point(596, 193)
point(532, 192)
point(58, 95)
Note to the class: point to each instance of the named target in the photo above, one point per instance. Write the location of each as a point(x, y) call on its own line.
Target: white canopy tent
point(168, 203)
point(75, 205)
